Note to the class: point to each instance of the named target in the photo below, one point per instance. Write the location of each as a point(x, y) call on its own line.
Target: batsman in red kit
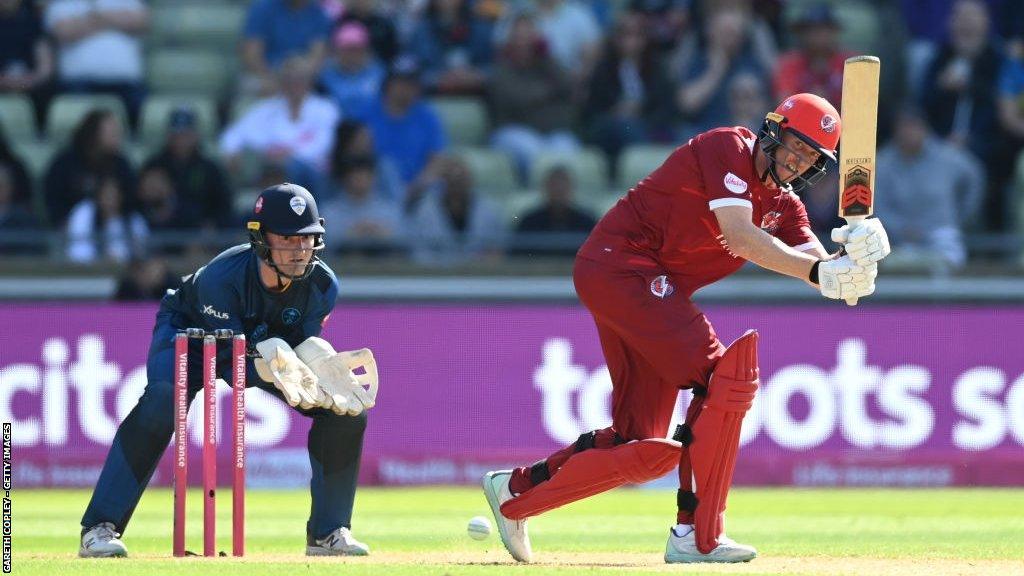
point(725, 197)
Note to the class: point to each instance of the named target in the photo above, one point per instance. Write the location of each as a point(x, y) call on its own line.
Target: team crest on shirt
point(298, 204)
point(290, 316)
point(734, 183)
point(770, 222)
point(661, 287)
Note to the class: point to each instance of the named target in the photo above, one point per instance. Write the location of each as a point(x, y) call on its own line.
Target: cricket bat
point(859, 111)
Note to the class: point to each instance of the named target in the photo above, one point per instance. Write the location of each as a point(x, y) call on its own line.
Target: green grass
point(422, 531)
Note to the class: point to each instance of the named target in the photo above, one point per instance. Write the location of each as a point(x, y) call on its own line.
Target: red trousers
point(654, 346)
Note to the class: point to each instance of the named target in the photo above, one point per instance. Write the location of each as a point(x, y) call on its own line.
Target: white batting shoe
point(341, 542)
point(513, 532)
point(101, 541)
point(683, 549)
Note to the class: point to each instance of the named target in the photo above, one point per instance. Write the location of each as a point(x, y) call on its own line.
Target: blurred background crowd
point(451, 132)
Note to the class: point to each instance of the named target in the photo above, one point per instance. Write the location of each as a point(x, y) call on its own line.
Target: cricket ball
point(479, 528)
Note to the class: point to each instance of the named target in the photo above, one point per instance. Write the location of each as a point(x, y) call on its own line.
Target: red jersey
point(665, 224)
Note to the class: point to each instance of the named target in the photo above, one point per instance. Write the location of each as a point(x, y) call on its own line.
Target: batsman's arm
point(755, 245)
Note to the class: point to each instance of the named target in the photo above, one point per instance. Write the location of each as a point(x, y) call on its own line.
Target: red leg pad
point(716, 435)
point(521, 479)
point(594, 471)
point(685, 466)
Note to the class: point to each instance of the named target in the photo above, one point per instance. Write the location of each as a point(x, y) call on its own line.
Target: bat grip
point(853, 221)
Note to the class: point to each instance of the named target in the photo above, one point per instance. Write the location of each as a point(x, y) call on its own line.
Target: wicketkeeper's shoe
point(513, 532)
point(101, 541)
point(341, 542)
point(683, 549)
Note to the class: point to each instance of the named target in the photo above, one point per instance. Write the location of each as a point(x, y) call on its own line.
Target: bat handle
point(853, 221)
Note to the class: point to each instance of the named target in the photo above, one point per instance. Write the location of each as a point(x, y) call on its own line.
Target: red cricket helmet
point(810, 118)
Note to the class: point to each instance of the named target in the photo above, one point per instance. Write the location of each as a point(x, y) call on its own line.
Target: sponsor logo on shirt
point(828, 123)
point(209, 311)
point(298, 204)
point(290, 315)
point(734, 183)
point(661, 287)
point(770, 222)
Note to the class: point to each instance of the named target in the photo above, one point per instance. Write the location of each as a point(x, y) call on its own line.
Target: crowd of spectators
point(340, 96)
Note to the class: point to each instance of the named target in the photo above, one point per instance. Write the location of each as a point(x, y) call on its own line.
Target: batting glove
point(866, 242)
point(843, 279)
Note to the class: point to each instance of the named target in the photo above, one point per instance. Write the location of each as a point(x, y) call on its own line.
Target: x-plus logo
point(209, 311)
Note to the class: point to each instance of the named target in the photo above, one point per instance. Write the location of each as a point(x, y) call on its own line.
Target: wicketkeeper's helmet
point(287, 210)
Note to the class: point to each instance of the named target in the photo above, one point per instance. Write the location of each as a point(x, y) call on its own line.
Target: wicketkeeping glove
point(349, 393)
point(280, 365)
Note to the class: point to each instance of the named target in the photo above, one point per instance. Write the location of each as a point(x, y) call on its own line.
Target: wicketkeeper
point(726, 197)
point(278, 292)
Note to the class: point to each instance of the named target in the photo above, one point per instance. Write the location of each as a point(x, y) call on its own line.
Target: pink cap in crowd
point(351, 35)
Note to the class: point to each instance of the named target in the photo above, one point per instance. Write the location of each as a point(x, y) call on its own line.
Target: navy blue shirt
point(285, 31)
point(228, 293)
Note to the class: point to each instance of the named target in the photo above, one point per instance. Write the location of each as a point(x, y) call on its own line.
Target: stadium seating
point(194, 72)
point(515, 206)
point(17, 117)
point(67, 110)
point(1016, 201)
point(599, 205)
point(588, 166)
point(492, 171)
point(36, 154)
point(214, 26)
point(860, 31)
point(464, 119)
point(157, 108)
point(637, 162)
point(138, 152)
point(860, 26)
